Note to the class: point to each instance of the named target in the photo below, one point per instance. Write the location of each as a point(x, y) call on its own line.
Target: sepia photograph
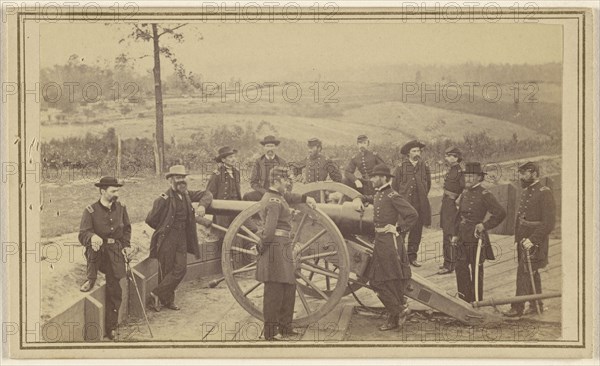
point(271, 181)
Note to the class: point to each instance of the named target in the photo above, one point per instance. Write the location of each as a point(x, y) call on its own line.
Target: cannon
point(332, 249)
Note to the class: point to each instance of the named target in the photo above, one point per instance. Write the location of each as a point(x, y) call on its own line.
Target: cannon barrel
point(347, 219)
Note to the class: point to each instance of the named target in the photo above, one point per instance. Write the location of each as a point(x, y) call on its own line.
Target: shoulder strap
point(90, 209)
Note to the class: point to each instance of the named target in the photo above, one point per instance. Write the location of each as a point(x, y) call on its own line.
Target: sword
point(137, 290)
point(528, 257)
point(479, 243)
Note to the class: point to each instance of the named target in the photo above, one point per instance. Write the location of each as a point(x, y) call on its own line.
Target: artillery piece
point(332, 249)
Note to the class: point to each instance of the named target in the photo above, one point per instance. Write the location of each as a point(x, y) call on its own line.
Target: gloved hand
point(260, 247)
point(200, 211)
point(527, 244)
point(358, 204)
point(358, 184)
point(96, 242)
point(311, 202)
point(479, 228)
point(454, 241)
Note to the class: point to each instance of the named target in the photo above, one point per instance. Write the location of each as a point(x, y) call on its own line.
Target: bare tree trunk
point(160, 137)
point(119, 154)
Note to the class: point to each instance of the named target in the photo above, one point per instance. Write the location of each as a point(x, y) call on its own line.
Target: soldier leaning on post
point(224, 182)
point(389, 270)
point(105, 231)
point(535, 221)
point(276, 265)
point(259, 179)
point(173, 219)
point(412, 180)
point(454, 183)
point(470, 226)
point(364, 162)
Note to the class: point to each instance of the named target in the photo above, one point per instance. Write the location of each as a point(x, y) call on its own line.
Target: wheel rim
point(319, 190)
point(315, 236)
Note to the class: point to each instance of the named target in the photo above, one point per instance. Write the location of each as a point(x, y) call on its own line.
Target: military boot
point(391, 323)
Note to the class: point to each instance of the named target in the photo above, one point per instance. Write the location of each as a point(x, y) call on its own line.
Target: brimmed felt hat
point(269, 140)
point(531, 166)
point(224, 152)
point(409, 145)
point(176, 170)
point(108, 182)
point(381, 169)
point(474, 168)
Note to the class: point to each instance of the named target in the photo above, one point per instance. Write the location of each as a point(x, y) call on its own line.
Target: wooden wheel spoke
point(303, 299)
point(246, 251)
point(299, 227)
point(247, 238)
point(322, 196)
point(304, 246)
point(318, 255)
point(249, 232)
point(246, 268)
point(319, 270)
point(248, 291)
point(327, 280)
point(310, 276)
point(312, 284)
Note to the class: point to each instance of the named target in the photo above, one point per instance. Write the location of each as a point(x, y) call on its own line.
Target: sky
point(270, 51)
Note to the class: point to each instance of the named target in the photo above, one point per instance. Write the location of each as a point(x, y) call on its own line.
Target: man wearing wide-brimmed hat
point(412, 180)
point(454, 183)
point(105, 231)
point(173, 219)
point(224, 182)
point(259, 179)
point(389, 270)
point(364, 161)
point(471, 226)
point(535, 221)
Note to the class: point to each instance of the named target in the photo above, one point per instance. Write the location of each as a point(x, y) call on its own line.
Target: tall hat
point(453, 150)
point(409, 145)
point(269, 140)
point(361, 138)
point(474, 168)
point(108, 182)
point(314, 142)
point(176, 170)
point(224, 152)
point(531, 166)
point(381, 169)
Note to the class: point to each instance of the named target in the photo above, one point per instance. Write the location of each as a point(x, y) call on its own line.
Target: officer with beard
point(365, 161)
point(105, 231)
point(259, 179)
point(173, 219)
point(535, 221)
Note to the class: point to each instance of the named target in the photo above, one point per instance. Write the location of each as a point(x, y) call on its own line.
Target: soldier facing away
point(173, 219)
point(535, 221)
point(276, 265)
point(470, 227)
point(105, 231)
point(389, 270)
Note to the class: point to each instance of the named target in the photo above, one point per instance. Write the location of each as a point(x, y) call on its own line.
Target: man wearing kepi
point(276, 265)
point(412, 180)
point(173, 219)
point(389, 270)
point(105, 231)
point(471, 227)
point(259, 179)
point(535, 221)
point(454, 183)
point(364, 162)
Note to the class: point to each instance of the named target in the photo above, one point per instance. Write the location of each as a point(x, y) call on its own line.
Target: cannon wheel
point(323, 187)
point(315, 236)
point(348, 194)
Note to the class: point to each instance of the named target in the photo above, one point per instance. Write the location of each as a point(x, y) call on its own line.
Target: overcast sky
point(274, 51)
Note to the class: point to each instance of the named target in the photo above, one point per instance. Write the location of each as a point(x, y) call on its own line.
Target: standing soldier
point(535, 221)
point(454, 183)
point(389, 270)
point(173, 219)
point(412, 180)
point(105, 231)
point(224, 182)
point(470, 227)
point(364, 161)
point(276, 265)
point(317, 167)
point(259, 179)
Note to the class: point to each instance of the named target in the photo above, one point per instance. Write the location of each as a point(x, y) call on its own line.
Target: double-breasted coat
point(413, 183)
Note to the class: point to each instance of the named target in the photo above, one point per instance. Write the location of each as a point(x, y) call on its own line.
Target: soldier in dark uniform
point(105, 231)
point(224, 182)
point(474, 204)
point(389, 270)
point(535, 221)
point(412, 180)
point(173, 219)
point(275, 265)
point(317, 167)
point(259, 179)
point(364, 161)
point(454, 183)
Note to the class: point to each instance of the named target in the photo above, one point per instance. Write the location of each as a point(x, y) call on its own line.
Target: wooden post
point(118, 156)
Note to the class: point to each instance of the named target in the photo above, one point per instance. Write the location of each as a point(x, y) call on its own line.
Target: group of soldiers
point(401, 210)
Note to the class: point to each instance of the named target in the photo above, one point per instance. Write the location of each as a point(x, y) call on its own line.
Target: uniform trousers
point(278, 307)
point(172, 264)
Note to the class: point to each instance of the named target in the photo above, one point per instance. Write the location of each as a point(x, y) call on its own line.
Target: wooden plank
point(67, 326)
point(93, 330)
